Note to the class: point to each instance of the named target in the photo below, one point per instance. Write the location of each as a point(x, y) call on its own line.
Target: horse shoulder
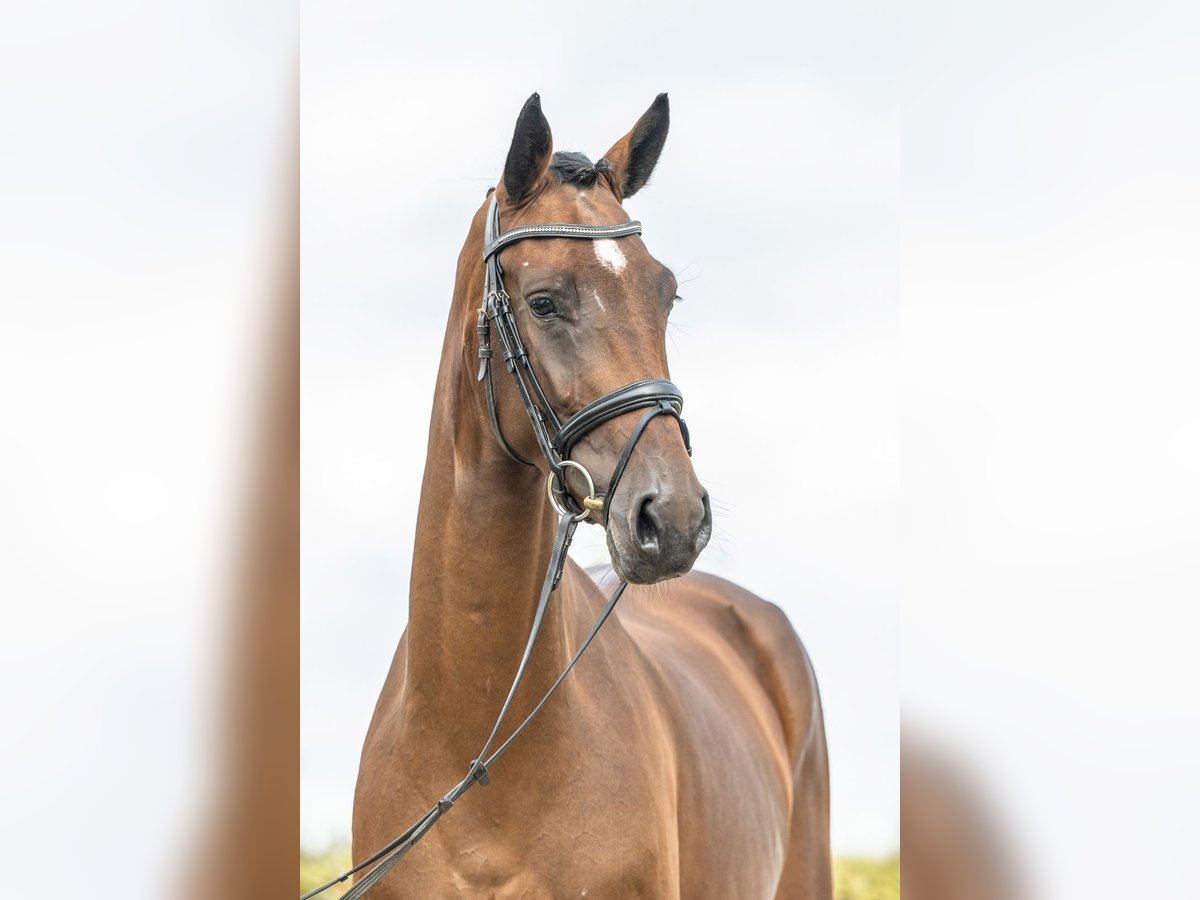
point(737, 686)
point(765, 638)
point(722, 619)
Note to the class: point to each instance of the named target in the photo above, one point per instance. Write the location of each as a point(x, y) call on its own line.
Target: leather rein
point(556, 438)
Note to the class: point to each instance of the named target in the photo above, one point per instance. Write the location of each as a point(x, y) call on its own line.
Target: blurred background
point(147, 203)
point(1050, 427)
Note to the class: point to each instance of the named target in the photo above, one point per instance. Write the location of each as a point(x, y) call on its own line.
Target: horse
point(685, 757)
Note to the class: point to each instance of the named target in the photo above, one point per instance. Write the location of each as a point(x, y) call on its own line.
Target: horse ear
point(530, 152)
point(632, 158)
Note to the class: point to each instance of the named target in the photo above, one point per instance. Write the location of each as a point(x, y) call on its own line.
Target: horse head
point(592, 316)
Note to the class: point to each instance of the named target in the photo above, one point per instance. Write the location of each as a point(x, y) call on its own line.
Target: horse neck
point(483, 541)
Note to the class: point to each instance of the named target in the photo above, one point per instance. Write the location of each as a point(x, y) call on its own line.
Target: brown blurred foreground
point(952, 849)
point(246, 846)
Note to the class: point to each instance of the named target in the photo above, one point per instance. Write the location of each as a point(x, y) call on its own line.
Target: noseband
point(556, 438)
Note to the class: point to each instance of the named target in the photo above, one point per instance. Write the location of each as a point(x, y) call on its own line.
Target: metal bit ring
point(590, 502)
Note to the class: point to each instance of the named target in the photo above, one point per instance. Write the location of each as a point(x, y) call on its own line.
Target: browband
point(565, 230)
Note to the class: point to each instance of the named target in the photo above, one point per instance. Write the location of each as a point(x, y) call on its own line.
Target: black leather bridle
point(556, 439)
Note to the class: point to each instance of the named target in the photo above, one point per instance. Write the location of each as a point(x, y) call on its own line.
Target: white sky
point(1051, 430)
point(776, 204)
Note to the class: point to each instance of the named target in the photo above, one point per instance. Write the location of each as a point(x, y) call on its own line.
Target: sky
point(1050, 430)
point(775, 203)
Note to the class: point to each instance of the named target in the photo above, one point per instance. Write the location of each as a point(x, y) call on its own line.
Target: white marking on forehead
point(526, 263)
point(610, 255)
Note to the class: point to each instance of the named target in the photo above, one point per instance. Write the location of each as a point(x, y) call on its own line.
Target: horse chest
point(587, 823)
point(593, 818)
point(564, 862)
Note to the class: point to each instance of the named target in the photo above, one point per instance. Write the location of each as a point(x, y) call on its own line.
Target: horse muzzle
point(659, 529)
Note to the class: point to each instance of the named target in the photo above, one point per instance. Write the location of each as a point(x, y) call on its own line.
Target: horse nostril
point(647, 524)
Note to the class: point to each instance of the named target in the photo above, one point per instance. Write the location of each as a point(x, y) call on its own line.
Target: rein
point(555, 439)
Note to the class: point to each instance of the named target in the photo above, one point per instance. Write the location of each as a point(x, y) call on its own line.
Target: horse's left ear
point(632, 158)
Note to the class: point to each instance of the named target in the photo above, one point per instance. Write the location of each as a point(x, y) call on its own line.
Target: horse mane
point(569, 167)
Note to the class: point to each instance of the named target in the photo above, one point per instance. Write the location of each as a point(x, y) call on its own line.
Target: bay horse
point(685, 756)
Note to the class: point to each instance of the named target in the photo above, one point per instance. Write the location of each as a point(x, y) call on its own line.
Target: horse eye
point(541, 306)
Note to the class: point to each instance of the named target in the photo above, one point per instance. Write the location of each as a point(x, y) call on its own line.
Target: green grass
point(853, 878)
point(318, 868)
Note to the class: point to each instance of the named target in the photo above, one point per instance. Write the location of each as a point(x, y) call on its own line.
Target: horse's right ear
point(530, 152)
